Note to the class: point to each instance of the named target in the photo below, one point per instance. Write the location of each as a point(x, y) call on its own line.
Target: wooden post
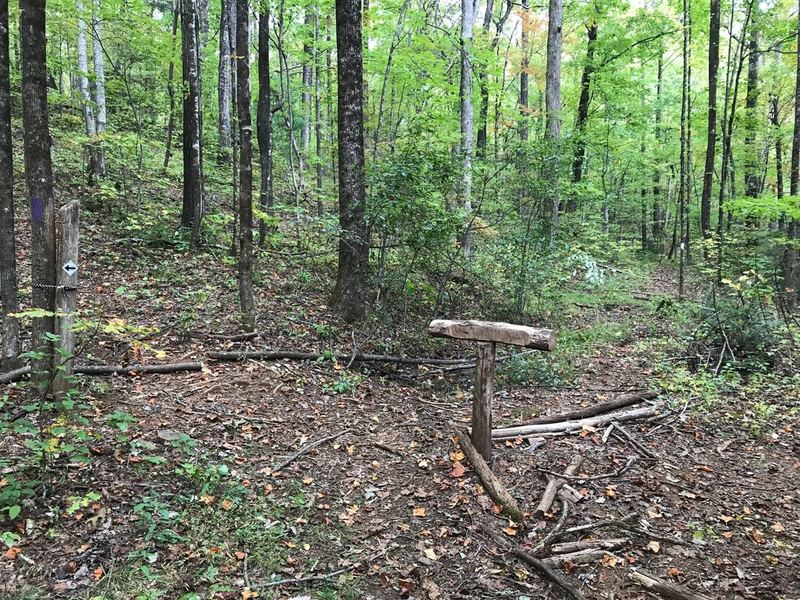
point(488, 335)
point(67, 282)
point(482, 400)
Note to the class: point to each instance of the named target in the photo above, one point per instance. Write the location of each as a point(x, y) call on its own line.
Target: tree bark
point(171, 87)
point(774, 118)
point(684, 176)
point(752, 163)
point(246, 300)
point(38, 177)
point(192, 214)
point(264, 120)
point(711, 140)
point(583, 110)
point(657, 217)
point(483, 85)
point(8, 254)
point(792, 270)
point(467, 119)
point(86, 96)
point(553, 105)
point(99, 86)
point(224, 85)
point(349, 294)
point(523, 72)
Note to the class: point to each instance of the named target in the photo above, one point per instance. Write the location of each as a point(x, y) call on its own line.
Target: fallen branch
point(596, 525)
point(637, 445)
point(15, 375)
point(604, 544)
point(136, 369)
point(305, 449)
point(545, 542)
point(621, 471)
point(295, 581)
point(582, 557)
point(591, 411)
point(544, 569)
point(493, 486)
point(567, 426)
point(673, 591)
point(288, 354)
point(555, 484)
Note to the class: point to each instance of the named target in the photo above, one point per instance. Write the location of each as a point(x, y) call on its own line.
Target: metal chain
point(47, 286)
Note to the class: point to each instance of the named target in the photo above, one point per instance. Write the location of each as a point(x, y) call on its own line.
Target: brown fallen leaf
point(756, 535)
point(420, 511)
point(458, 470)
point(777, 527)
point(654, 546)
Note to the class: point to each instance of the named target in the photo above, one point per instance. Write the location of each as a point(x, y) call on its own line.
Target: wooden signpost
point(488, 335)
point(66, 289)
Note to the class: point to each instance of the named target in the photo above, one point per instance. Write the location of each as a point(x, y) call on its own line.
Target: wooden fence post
point(67, 285)
point(482, 400)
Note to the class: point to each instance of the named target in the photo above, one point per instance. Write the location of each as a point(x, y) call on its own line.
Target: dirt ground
point(389, 508)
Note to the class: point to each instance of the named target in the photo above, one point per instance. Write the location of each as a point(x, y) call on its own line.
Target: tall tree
point(171, 87)
point(523, 72)
point(711, 139)
point(227, 29)
point(657, 212)
point(467, 117)
point(792, 269)
point(752, 162)
point(38, 174)
point(683, 189)
point(349, 294)
point(8, 253)
point(246, 300)
point(99, 85)
point(583, 108)
point(264, 118)
point(86, 95)
point(553, 102)
point(192, 214)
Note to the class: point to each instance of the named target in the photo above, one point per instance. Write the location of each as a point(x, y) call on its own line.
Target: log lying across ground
point(667, 589)
point(555, 484)
point(577, 425)
point(590, 411)
point(493, 486)
point(21, 373)
point(288, 354)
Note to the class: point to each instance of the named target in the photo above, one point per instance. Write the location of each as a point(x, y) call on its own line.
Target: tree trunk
point(774, 119)
point(467, 119)
point(711, 140)
point(792, 270)
point(171, 87)
point(553, 105)
point(318, 115)
point(247, 303)
point(264, 119)
point(483, 86)
point(224, 85)
point(752, 163)
point(192, 214)
point(657, 218)
point(684, 179)
point(523, 72)
point(349, 294)
point(308, 57)
point(38, 177)
point(86, 96)
point(99, 87)
point(8, 254)
point(583, 111)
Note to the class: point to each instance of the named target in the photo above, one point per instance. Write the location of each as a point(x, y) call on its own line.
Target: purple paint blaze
point(37, 209)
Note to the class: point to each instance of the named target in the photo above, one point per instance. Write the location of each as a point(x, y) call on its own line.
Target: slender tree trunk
point(99, 87)
point(192, 215)
point(644, 213)
point(86, 96)
point(524, 109)
point(467, 119)
point(264, 119)
point(774, 119)
point(246, 300)
point(583, 112)
point(657, 218)
point(307, 77)
point(752, 163)
point(553, 105)
point(792, 274)
point(224, 85)
point(483, 85)
point(318, 114)
point(8, 252)
point(684, 179)
point(38, 177)
point(350, 292)
point(171, 87)
point(711, 140)
point(329, 95)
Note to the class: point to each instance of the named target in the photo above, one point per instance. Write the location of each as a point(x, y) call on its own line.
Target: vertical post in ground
point(67, 282)
point(482, 399)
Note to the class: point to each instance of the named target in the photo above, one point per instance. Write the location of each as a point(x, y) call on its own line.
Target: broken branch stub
point(500, 333)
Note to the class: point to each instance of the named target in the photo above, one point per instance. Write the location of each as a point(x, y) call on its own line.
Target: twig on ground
point(305, 449)
point(621, 471)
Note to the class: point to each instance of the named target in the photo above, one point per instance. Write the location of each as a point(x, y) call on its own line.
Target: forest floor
point(180, 498)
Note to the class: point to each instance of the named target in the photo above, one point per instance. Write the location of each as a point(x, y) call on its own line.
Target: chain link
point(47, 286)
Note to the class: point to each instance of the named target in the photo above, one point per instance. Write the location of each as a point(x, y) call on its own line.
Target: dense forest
point(271, 271)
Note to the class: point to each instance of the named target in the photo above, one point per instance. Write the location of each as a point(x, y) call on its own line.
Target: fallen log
point(667, 589)
point(288, 354)
point(567, 426)
point(137, 369)
point(582, 557)
point(14, 375)
point(591, 411)
point(555, 484)
point(493, 486)
point(604, 544)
